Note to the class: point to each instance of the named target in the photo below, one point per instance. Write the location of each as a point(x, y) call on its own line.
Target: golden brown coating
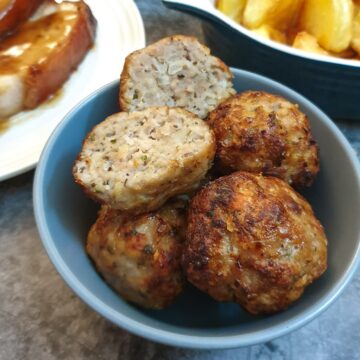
point(139, 256)
point(253, 240)
point(260, 132)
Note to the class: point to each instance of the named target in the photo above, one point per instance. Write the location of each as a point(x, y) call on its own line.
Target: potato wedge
point(355, 40)
point(232, 8)
point(330, 21)
point(280, 14)
point(305, 41)
point(268, 32)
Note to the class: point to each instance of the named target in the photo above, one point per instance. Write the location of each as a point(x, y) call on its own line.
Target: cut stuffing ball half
point(136, 161)
point(175, 71)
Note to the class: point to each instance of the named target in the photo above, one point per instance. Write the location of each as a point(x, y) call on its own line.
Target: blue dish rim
point(172, 338)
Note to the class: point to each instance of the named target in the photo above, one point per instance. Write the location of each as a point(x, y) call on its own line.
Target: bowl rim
point(204, 8)
point(165, 336)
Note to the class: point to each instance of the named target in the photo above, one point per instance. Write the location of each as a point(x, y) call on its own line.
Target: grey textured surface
point(40, 318)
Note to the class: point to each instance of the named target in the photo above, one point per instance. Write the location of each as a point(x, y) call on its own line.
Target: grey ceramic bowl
point(64, 215)
point(332, 83)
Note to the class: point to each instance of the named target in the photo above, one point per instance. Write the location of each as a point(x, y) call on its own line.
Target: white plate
point(120, 31)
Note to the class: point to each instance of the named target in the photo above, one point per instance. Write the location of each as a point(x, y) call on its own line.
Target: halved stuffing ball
point(253, 240)
point(175, 71)
point(139, 256)
point(136, 161)
point(260, 132)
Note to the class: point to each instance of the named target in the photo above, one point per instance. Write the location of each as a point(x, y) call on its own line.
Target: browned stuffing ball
point(140, 256)
point(253, 240)
point(260, 132)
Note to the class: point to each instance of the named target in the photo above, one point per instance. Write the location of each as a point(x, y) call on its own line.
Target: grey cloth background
point(40, 318)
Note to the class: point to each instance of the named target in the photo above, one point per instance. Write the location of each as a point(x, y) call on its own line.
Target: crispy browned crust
point(129, 60)
point(253, 240)
point(15, 13)
point(143, 267)
point(261, 132)
point(45, 78)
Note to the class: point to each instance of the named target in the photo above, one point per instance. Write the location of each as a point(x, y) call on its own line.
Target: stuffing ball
point(260, 132)
point(175, 71)
point(253, 240)
point(136, 161)
point(139, 256)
